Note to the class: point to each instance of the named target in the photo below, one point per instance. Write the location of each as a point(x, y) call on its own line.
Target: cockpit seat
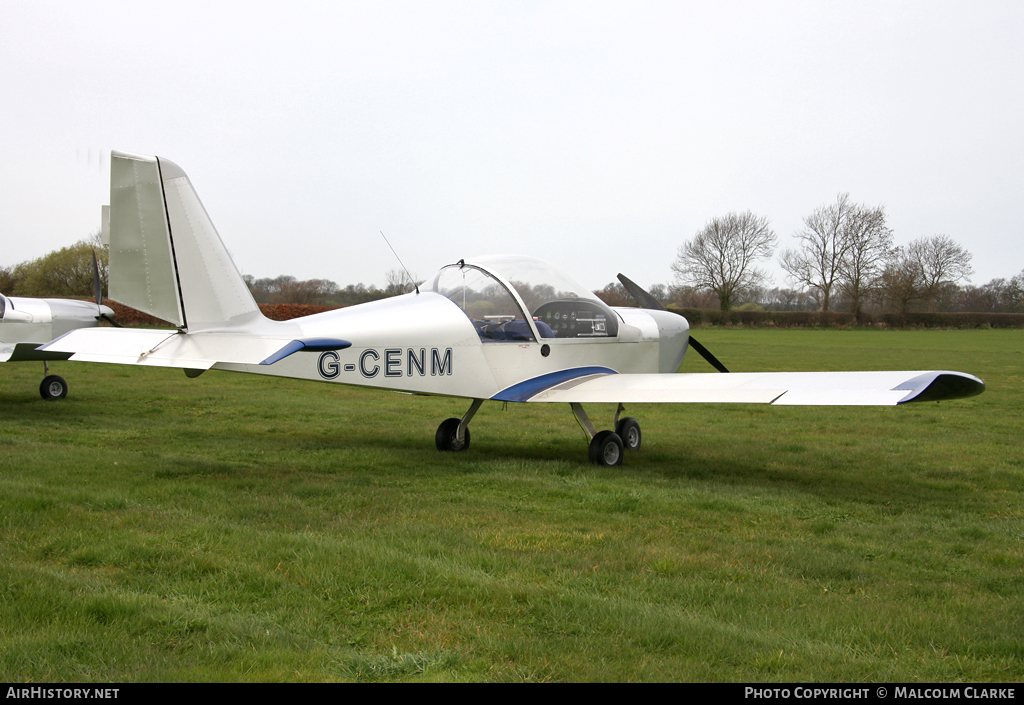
point(544, 329)
point(517, 330)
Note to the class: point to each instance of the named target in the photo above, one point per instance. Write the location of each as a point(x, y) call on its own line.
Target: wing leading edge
point(780, 388)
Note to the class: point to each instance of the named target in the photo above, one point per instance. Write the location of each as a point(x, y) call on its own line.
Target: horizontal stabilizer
point(165, 348)
point(24, 352)
point(782, 388)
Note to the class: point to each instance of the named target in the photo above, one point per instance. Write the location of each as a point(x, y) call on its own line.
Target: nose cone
point(674, 333)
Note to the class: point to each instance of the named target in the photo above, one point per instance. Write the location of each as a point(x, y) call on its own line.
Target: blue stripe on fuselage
point(532, 387)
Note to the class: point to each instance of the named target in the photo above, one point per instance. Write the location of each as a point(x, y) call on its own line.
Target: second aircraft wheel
point(446, 438)
point(629, 431)
point(53, 387)
point(606, 449)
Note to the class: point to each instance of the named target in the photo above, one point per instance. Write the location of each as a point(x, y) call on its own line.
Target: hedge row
point(278, 312)
point(286, 312)
point(817, 319)
point(699, 317)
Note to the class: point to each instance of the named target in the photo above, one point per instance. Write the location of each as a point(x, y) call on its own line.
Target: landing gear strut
point(607, 448)
point(453, 434)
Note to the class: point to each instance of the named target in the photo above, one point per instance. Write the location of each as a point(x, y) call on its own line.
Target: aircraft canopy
point(559, 306)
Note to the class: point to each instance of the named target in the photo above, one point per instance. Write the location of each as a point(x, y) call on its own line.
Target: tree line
point(844, 260)
point(69, 273)
point(286, 289)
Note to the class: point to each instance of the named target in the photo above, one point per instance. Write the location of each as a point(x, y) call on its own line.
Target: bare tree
point(660, 292)
point(690, 297)
point(615, 294)
point(310, 291)
point(943, 262)
point(824, 243)
point(869, 246)
point(993, 297)
point(902, 281)
point(721, 256)
point(398, 281)
point(791, 300)
point(1014, 296)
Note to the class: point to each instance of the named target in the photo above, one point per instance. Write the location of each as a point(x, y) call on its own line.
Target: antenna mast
point(415, 285)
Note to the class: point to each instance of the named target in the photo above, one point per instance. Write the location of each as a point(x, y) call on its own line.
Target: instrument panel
point(577, 318)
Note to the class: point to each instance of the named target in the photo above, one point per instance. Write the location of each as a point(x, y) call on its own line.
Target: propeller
point(97, 290)
point(647, 301)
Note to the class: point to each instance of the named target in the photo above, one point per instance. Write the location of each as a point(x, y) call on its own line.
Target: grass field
point(238, 528)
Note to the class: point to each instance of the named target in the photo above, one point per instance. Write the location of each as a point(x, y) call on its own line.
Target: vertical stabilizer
point(166, 257)
point(142, 270)
point(212, 291)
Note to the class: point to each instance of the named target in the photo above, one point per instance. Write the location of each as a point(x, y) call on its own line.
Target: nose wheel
point(453, 434)
point(447, 436)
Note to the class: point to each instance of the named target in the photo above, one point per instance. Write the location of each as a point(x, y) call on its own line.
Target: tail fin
point(166, 258)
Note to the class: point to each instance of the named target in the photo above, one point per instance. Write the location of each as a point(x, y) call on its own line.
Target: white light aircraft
point(26, 322)
point(499, 328)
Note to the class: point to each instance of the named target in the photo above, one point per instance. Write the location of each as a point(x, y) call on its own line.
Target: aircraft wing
point(781, 388)
point(170, 348)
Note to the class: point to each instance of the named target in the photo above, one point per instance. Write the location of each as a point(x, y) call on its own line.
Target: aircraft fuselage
point(424, 343)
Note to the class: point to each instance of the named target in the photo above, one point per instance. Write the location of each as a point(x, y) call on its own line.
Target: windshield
point(485, 300)
point(536, 281)
point(560, 306)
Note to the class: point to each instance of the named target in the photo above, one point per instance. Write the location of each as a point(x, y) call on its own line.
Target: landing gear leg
point(52, 386)
point(605, 446)
point(453, 434)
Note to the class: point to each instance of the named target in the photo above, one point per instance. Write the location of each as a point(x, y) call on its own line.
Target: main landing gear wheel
point(446, 437)
point(53, 388)
point(628, 429)
point(606, 449)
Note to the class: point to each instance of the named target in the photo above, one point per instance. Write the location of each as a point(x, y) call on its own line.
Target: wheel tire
point(445, 438)
point(53, 388)
point(629, 431)
point(606, 449)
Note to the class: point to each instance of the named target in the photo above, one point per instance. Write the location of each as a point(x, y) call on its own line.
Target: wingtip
point(942, 386)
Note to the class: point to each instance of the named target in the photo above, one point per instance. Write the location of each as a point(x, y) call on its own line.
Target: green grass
point(237, 528)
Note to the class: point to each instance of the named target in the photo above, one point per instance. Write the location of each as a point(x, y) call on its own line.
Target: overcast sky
point(598, 136)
